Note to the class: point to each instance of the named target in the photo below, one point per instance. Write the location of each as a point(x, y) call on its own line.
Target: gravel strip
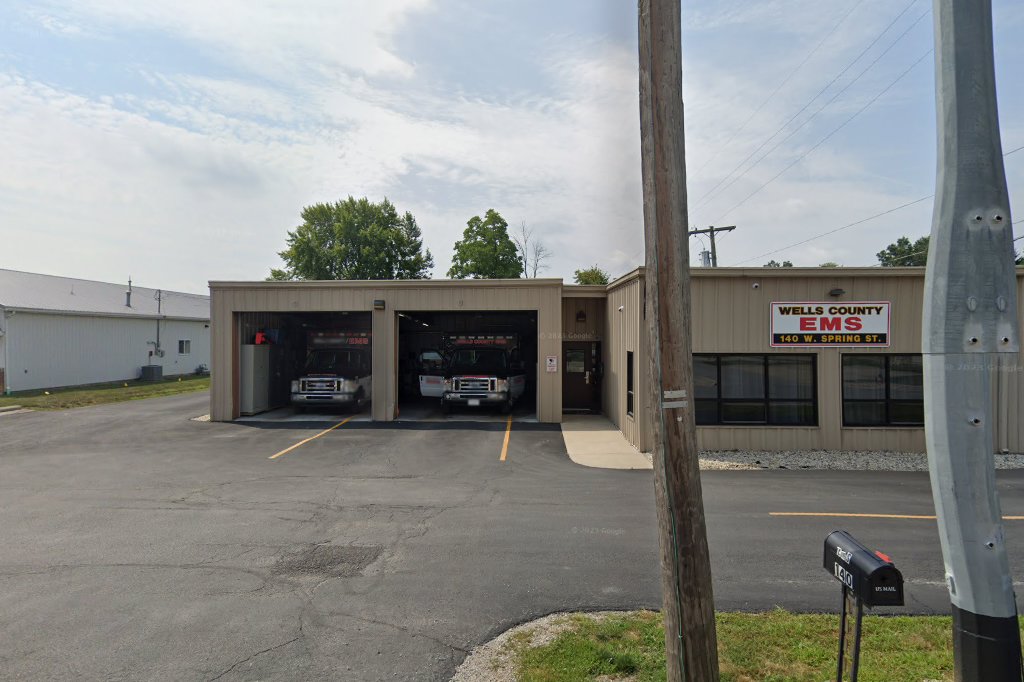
point(833, 459)
point(494, 661)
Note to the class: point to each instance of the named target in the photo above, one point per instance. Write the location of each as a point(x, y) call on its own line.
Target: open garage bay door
point(304, 366)
point(489, 358)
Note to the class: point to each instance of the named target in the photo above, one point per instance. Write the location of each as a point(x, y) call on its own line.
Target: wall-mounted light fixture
point(837, 292)
point(581, 316)
point(378, 304)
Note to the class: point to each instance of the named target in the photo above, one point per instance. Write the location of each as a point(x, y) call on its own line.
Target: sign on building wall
point(830, 324)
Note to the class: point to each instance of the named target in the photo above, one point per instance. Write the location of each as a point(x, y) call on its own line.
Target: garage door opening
point(304, 366)
point(473, 365)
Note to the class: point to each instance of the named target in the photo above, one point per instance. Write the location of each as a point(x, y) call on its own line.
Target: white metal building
point(59, 331)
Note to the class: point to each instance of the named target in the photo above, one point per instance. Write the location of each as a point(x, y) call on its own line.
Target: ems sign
point(830, 324)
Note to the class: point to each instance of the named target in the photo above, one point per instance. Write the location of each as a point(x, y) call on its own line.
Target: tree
point(777, 264)
point(486, 251)
point(591, 275)
point(904, 252)
point(354, 239)
point(829, 264)
point(531, 250)
point(1020, 258)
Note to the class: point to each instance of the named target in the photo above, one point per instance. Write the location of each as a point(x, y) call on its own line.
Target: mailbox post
point(868, 578)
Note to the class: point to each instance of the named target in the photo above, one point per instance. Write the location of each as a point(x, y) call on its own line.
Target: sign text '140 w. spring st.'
point(830, 324)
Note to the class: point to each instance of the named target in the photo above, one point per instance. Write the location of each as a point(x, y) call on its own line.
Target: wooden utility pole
point(970, 316)
point(691, 644)
point(710, 231)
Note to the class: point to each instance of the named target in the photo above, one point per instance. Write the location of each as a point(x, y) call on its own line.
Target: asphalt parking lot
point(141, 544)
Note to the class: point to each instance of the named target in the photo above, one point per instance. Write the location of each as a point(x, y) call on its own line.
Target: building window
point(184, 346)
point(629, 383)
point(779, 390)
point(882, 390)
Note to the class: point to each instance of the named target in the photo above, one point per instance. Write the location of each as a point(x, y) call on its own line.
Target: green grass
point(99, 394)
point(764, 647)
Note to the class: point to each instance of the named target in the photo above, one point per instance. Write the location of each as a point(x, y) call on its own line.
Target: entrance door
point(580, 387)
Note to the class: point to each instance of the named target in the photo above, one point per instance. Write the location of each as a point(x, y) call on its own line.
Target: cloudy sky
point(177, 142)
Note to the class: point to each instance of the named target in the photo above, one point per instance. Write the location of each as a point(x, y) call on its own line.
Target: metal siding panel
point(175, 330)
point(729, 316)
point(221, 358)
point(592, 328)
point(625, 331)
point(549, 328)
point(48, 351)
point(830, 410)
point(545, 298)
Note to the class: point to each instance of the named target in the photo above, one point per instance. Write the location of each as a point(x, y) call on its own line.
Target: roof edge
point(89, 313)
point(633, 274)
point(584, 291)
point(388, 283)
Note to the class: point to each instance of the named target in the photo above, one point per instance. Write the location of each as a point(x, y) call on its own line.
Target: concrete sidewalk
point(593, 441)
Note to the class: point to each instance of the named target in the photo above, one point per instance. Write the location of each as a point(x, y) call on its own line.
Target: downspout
point(159, 312)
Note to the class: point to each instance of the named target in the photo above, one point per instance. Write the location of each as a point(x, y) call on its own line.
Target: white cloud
point(227, 164)
point(199, 177)
point(278, 40)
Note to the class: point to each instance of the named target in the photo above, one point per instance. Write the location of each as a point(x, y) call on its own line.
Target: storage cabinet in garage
point(254, 379)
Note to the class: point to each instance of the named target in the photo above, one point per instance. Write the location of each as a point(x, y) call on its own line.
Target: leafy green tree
point(904, 252)
point(829, 264)
point(591, 275)
point(777, 264)
point(354, 239)
point(486, 251)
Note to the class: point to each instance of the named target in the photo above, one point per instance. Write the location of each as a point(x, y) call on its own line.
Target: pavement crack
point(258, 653)
point(401, 628)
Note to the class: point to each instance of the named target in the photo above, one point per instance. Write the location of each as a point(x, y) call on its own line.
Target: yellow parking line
point(303, 442)
point(875, 516)
point(504, 446)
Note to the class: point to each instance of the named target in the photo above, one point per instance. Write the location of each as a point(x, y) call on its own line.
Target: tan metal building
point(585, 347)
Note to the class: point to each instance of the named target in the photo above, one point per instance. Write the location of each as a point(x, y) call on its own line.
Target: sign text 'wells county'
point(830, 324)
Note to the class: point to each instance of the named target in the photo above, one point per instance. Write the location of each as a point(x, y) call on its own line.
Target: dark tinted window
point(629, 382)
point(336, 361)
point(479, 361)
point(882, 390)
point(755, 389)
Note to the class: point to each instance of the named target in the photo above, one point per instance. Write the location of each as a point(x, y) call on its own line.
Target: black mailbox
point(868, 575)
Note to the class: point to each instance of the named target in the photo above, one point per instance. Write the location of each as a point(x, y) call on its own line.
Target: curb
point(10, 408)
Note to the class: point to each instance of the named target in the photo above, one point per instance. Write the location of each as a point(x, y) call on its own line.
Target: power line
point(853, 224)
point(827, 137)
point(857, 222)
point(810, 118)
point(918, 253)
point(838, 229)
point(909, 255)
point(804, 108)
point(782, 84)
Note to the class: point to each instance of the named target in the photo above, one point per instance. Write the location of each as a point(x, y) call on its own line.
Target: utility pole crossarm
point(970, 314)
point(711, 231)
